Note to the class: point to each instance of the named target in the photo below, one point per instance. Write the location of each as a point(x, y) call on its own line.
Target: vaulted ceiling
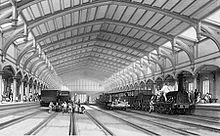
point(102, 37)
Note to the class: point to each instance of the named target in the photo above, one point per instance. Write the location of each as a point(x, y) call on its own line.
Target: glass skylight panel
point(68, 20)
point(101, 12)
point(43, 28)
point(56, 5)
point(26, 15)
point(119, 12)
point(83, 14)
point(215, 16)
point(66, 3)
point(76, 2)
point(36, 33)
point(46, 7)
point(76, 17)
point(92, 14)
point(54, 38)
point(35, 11)
point(168, 45)
point(51, 25)
point(59, 22)
point(190, 33)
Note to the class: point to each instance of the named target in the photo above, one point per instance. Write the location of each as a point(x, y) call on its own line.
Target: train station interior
point(105, 51)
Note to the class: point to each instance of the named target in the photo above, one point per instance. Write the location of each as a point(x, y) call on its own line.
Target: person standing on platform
point(165, 89)
point(51, 106)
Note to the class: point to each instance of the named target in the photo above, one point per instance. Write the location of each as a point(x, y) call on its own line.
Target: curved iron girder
point(46, 76)
point(105, 55)
point(5, 17)
point(38, 66)
point(44, 68)
point(132, 71)
point(71, 63)
point(81, 56)
point(23, 53)
point(62, 50)
point(92, 42)
point(97, 3)
point(120, 80)
point(138, 66)
point(186, 48)
point(212, 31)
point(150, 66)
point(127, 78)
point(131, 39)
point(101, 21)
point(93, 69)
point(44, 47)
point(102, 47)
point(103, 41)
point(35, 55)
point(169, 56)
point(18, 33)
point(131, 75)
point(35, 63)
point(87, 57)
point(158, 61)
point(90, 65)
point(105, 73)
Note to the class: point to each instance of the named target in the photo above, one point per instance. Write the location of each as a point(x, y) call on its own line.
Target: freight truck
point(48, 96)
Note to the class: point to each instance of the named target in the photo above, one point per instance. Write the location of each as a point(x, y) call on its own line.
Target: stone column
point(32, 90)
point(22, 91)
point(14, 89)
point(1, 86)
point(176, 85)
point(154, 91)
point(194, 83)
point(27, 91)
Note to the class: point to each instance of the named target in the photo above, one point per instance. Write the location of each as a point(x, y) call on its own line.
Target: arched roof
point(107, 35)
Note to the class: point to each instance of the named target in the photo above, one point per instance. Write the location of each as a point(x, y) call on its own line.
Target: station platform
point(31, 119)
point(208, 109)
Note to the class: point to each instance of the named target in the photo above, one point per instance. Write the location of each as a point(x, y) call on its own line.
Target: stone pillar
point(22, 91)
point(154, 91)
point(194, 83)
point(33, 89)
point(14, 89)
point(27, 91)
point(1, 86)
point(176, 85)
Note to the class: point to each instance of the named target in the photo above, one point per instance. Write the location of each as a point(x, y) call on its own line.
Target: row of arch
point(18, 85)
point(192, 80)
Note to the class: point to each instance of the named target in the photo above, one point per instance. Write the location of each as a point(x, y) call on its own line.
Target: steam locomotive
point(178, 102)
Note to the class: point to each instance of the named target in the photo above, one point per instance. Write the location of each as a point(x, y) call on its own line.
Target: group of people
point(206, 98)
point(66, 107)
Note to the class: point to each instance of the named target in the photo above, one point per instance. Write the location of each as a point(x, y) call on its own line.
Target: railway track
point(182, 121)
point(18, 111)
point(100, 125)
point(41, 125)
point(72, 126)
point(17, 106)
point(176, 130)
point(142, 129)
point(18, 119)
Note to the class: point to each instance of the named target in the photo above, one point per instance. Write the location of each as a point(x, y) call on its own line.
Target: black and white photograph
point(109, 67)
